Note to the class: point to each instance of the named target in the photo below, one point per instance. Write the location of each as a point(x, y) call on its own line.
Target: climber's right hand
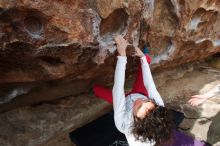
point(121, 44)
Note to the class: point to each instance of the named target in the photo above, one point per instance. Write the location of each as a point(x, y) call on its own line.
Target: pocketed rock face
point(51, 49)
point(49, 40)
point(182, 31)
point(70, 41)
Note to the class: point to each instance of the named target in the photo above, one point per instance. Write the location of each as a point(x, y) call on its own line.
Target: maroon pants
point(138, 87)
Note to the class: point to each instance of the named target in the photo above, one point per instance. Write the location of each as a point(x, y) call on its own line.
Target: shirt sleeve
point(149, 82)
point(118, 93)
point(213, 92)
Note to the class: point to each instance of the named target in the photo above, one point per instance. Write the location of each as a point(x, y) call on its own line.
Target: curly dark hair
point(156, 126)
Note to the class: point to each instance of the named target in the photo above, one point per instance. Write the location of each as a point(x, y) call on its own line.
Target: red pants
point(138, 87)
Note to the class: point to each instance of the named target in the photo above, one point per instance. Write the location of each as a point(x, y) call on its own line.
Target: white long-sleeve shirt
point(123, 107)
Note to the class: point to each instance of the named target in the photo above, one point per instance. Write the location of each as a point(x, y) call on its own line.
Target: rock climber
point(141, 116)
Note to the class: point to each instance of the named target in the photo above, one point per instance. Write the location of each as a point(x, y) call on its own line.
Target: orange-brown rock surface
point(51, 49)
point(60, 48)
point(49, 124)
point(51, 39)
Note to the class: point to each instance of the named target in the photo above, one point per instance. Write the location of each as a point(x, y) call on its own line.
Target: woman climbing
point(141, 116)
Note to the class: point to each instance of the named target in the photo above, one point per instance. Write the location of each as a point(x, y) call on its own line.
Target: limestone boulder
point(50, 40)
point(53, 49)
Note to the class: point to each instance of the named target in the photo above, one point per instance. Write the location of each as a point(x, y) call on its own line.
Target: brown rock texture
point(49, 124)
point(50, 40)
point(51, 49)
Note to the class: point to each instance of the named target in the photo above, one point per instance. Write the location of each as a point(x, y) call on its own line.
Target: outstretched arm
point(199, 99)
point(149, 82)
point(118, 88)
point(148, 79)
point(118, 93)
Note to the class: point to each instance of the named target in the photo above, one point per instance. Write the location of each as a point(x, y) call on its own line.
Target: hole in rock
point(181, 2)
point(203, 20)
point(33, 25)
point(201, 17)
point(199, 12)
point(217, 2)
point(210, 2)
point(51, 60)
point(216, 55)
point(212, 16)
point(159, 44)
point(101, 132)
point(1, 10)
point(116, 22)
point(165, 17)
